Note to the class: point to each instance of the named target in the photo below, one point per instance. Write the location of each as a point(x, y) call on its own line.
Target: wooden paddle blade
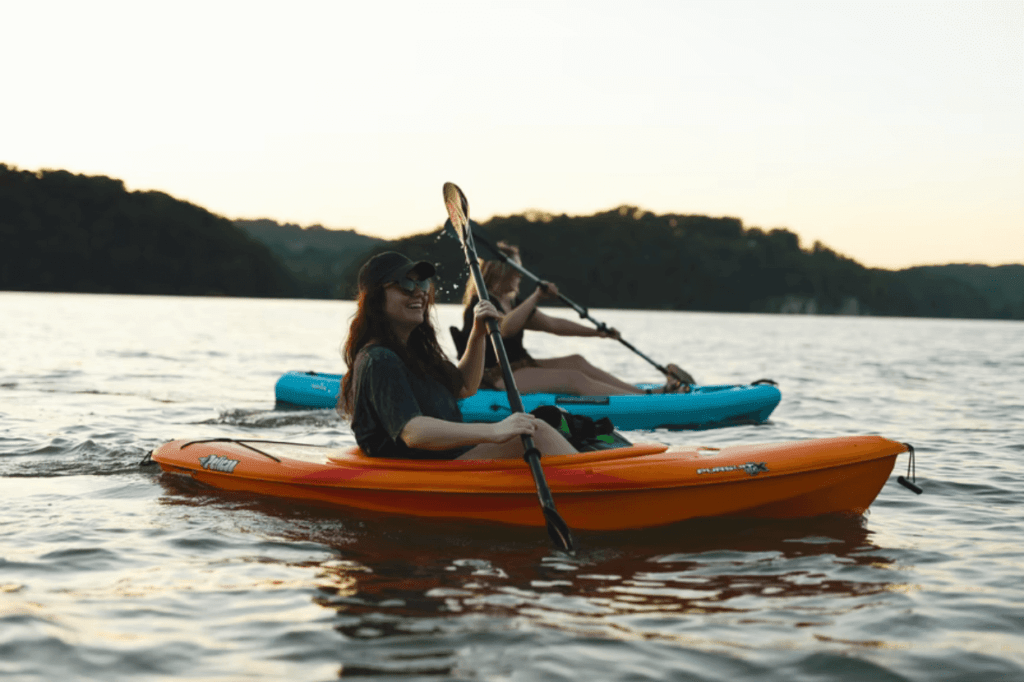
point(484, 246)
point(458, 208)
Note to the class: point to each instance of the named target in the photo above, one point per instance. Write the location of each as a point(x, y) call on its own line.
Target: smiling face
point(405, 310)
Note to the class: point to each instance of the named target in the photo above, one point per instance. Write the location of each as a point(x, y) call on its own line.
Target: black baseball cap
point(391, 266)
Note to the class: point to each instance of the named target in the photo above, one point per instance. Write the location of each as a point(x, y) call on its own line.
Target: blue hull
point(704, 407)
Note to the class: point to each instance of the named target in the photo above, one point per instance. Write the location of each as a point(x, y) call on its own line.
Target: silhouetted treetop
point(78, 233)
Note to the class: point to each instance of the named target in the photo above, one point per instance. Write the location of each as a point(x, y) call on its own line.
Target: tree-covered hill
point(630, 258)
point(65, 232)
point(1002, 285)
point(316, 256)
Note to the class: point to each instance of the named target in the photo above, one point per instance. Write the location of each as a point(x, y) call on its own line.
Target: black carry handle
point(911, 484)
point(458, 212)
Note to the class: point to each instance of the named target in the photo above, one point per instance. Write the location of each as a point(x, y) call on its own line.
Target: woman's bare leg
point(580, 364)
point(547, 439)
point(567, 381)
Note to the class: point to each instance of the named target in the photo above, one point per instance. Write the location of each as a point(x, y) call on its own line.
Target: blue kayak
point(704, 407)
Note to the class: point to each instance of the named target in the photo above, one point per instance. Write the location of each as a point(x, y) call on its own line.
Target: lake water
point(109, 571)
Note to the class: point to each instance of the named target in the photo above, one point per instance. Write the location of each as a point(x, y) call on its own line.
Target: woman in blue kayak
point(402, 393)
point(570, 374)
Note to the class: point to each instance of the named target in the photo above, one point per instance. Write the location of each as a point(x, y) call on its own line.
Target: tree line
point(65, 232)
point(315, 256)
point(631, 258)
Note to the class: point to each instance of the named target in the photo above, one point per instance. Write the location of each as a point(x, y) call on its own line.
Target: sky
point(892, 132)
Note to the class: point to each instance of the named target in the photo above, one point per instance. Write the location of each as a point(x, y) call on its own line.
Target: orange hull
point(636, 487)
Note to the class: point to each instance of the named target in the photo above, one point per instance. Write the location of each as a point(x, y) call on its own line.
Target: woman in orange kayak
point(402, 393)
point(570, 374)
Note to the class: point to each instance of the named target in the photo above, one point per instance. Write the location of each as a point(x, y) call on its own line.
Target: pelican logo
point(217, 463)
point(752, 468)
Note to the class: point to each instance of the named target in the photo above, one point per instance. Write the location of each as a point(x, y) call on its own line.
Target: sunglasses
point(410, 285)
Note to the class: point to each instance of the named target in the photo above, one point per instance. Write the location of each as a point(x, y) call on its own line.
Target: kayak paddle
point(458, 211)
point(671, 370)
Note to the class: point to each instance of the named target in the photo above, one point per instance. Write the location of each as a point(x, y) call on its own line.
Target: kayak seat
point(460, 340)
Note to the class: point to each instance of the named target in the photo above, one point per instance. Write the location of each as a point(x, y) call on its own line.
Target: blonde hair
point(497, 274)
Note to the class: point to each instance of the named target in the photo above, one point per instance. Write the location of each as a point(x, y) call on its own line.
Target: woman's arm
point(471, 364)
point(429, 433)
point(559, 325)
point(563, 327)
point(527, 316)
point(520, 316)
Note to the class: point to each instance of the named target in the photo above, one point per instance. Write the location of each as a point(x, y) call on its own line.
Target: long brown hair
point(497, 274)
point(422, 354)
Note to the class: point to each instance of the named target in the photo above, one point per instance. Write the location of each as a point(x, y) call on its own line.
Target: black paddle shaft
point(458, 210)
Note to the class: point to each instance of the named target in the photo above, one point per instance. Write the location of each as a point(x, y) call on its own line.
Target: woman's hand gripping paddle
point(458, 211)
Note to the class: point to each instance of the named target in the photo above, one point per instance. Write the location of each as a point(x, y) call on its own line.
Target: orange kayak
point(639, 486)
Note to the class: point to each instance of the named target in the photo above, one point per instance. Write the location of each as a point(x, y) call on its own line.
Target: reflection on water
point(727, 584)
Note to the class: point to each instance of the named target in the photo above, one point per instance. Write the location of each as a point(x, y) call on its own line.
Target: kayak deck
point(640, 486)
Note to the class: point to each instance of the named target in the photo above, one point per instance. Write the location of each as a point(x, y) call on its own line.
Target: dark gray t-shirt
point(388, 395)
